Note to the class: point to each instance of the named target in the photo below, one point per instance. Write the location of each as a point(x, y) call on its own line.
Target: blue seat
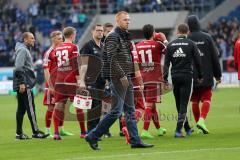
point(232, 15)
point(222, 18)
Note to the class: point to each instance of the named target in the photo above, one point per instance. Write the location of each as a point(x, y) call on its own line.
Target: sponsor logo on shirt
point(179, 53)
point(179, 44)
point(200, 43)
point(200, 53)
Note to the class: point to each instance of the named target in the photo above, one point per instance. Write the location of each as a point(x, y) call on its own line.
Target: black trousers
point(182, 90)
point(26, 103)
point(94, 114)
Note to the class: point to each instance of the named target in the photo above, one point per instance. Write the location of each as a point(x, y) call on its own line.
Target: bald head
point(28, 38)
point(25, 35)
point(122, 19)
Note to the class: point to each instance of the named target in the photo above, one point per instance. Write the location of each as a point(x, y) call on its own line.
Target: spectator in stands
point(223, 47)
point(42, 7)
point(74, 16)
point(224, 34)
point(33, 9)
point(3, 45)
point(82, 18)
point(120, 4)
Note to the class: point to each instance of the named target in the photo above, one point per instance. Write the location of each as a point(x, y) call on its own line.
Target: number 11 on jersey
point(149, 54)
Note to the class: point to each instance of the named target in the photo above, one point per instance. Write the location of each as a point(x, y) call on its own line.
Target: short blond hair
point(55, 33)
point(119, 14)
point(68, 31)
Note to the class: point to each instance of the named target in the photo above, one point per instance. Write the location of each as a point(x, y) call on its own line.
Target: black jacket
point(209, 53)
point(94, 52)
point(181, 53)
point(117, 60)
point(23, 76)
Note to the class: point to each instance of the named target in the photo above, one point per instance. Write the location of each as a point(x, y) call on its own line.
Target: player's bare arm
point(82, 71)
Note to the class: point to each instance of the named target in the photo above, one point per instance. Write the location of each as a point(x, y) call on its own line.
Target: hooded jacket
point(23, 72)
point(208, 51)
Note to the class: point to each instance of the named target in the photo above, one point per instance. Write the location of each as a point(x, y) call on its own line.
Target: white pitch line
point(150, 153)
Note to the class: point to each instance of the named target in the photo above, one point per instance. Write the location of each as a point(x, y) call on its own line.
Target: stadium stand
point(43, 16)
point(39, 20)
point(194, 6)
point(225, 32)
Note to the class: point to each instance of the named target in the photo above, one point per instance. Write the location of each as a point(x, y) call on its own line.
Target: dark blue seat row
point(232, 15)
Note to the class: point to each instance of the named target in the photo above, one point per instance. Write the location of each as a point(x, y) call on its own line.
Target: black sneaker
point(40, 134)
point(142, 145)
point(22, 137)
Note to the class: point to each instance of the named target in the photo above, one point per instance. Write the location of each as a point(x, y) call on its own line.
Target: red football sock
point(196, 111)
point(48, 118)
point(61, 123)
point(81, 120)
point(126, 134)
point(124, 129)
point(138, 114)
point(58, 116)
point(155, 118)
point(123, 121)
point(147, 118)
point(205, 109)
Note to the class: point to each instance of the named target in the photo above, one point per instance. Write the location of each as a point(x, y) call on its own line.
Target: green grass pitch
point(223, 142)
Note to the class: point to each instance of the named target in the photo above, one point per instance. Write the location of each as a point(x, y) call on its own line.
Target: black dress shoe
point(141, 145)
point(92, 143)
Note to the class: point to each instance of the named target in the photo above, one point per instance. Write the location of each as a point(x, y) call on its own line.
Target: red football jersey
point(148, 54)
point(50, 64)
point(67, 65)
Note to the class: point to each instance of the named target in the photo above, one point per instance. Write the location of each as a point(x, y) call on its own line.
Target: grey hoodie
point(23, 57)
point(24, 71)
